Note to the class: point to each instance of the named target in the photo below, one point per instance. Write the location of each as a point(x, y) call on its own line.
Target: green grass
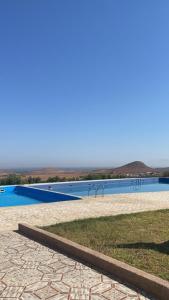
point(141, 239)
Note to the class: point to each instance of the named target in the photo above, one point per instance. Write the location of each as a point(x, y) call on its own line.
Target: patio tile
point(31, 271)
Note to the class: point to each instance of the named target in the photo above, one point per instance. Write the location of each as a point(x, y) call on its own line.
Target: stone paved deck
point(47, 214)
point(30, 271)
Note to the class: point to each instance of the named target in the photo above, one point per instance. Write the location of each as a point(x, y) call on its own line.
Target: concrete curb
point(150, 284)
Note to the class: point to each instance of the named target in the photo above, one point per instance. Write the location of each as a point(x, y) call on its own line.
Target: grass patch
point(140, 239)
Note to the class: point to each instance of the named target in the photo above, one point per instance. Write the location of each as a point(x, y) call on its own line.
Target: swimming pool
point(106, 187)
point(22, 195)
point(54, 192)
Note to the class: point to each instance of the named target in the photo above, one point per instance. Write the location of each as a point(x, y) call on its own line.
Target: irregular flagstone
point(34, 272)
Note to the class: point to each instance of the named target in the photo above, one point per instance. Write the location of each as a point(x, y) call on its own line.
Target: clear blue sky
point(84, 83)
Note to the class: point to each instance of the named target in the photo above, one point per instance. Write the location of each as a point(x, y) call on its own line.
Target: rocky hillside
point(134, 168)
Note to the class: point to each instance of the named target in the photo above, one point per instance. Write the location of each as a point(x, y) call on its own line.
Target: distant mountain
point(131, 169)
point(134, 168)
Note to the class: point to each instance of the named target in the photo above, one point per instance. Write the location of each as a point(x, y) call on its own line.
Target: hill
point(134, 168)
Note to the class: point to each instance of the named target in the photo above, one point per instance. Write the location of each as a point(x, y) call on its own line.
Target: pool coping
point(150, 284)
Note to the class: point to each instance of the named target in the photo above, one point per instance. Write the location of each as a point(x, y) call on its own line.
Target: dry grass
point(140, 239)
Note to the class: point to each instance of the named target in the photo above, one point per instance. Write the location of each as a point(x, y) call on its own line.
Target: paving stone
point(101, 288)
point(80, 266)
point(31, 265)
point(46, 292)
point(79, 278)
point(45, 269)
point(12, 291)
point(79, 293)
point(11, 298)
point(39, 256)
point(114, 294)
point(27, 296)
point(52, 277)
point(60, 297)
point(5, 265)
point(2, 274)
point(125, 289)
point(37, 273)
point(2, 287)
point(22, 277)
point(97, 297)
point(17, 261)
point(61, 287)
point(59, 265)
point(107, 279)
point(57, 212)
point(36, 286)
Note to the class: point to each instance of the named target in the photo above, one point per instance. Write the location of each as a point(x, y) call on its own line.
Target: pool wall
point(164, 180)
point(43, 195)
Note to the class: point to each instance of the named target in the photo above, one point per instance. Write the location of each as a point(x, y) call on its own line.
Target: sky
point(84, 83)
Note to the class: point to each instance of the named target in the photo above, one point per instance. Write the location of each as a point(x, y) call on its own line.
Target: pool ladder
point(96, 188)
point(136, 184)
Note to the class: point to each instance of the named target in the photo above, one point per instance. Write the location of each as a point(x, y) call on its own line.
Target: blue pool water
point(105, 187)
point(21, 195)
point(46, 193)
point(115, 190)
point(12, 199)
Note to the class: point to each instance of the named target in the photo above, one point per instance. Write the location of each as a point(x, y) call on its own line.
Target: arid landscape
point(133, 169)
point(45, 173)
